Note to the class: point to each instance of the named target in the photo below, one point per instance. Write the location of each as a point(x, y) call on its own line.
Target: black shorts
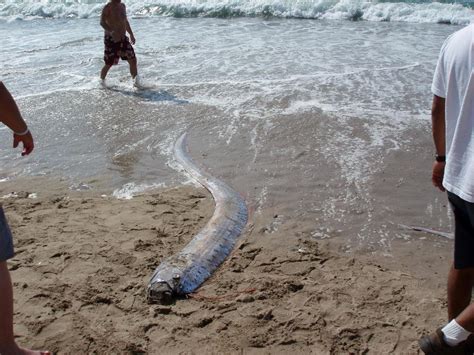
point(6, 242)
point(113, 51)
point(463, 231)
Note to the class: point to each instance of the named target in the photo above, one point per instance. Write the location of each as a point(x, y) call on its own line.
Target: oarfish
point(185, 271)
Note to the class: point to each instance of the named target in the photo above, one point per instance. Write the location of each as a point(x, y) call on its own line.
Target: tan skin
point(11, 117)
point(115, 23)
point(438, 130)
point(460, 282)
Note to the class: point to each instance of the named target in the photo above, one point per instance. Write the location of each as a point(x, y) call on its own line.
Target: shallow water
point(300, 116)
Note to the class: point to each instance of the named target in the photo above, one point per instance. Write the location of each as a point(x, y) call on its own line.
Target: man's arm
point(103, 21)
point(128, 27)
point(11, 117)
point(439, 137)
point(129, 30)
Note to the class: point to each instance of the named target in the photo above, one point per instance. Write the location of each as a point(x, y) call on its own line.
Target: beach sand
point(322, 126)
point(84, 259)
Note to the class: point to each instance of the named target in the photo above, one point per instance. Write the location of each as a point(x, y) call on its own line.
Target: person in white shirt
point(453, 171)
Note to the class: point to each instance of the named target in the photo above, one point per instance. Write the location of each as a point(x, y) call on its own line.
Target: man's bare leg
point(104, 71)
point(7, 340)
point(466, 318)
point(133, 67)
point(6, 308)
point(460, 284)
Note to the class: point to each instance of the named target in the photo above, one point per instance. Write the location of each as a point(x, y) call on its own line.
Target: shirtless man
point(117, 45)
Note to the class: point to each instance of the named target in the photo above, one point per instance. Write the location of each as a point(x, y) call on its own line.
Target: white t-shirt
point(454, 81)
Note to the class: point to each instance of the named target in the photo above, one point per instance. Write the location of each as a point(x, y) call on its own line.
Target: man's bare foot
point(103, 84)
point(137, 82)
point(33, 352)
point(16, 350)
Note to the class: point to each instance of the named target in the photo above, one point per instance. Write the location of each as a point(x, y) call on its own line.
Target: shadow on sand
point(149, 95)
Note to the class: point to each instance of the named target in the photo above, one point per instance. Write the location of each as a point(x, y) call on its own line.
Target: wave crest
point(424, 12)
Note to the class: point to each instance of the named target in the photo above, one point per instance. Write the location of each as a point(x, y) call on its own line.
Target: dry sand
point(83, 261)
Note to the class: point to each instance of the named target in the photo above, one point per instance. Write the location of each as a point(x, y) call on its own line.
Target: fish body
point(184, 272)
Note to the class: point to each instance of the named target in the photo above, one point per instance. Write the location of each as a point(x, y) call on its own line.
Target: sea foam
point(417, 12)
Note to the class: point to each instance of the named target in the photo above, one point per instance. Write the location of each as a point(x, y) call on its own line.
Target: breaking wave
point(458, 13)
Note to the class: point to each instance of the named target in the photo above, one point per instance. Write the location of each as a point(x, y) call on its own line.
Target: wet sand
point(322, 267)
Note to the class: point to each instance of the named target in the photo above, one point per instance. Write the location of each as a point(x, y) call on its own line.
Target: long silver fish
point(185, 271)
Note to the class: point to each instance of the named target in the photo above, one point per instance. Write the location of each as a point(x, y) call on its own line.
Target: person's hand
point(132, 39)
point(27, 140)
point(438, 174)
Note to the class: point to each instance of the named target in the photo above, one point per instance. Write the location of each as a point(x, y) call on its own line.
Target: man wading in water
point(117, 45)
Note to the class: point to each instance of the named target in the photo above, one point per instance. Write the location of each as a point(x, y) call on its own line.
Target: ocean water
point(296, 104)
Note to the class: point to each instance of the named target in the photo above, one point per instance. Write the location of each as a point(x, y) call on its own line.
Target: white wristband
point(23, 133)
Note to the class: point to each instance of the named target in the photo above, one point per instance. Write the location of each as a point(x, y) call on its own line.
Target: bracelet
point(440, 158)
point(22, 133)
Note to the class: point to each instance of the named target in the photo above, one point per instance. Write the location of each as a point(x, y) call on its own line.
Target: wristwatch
point(440, 158)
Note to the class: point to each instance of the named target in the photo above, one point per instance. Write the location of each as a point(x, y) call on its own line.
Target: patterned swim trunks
point(115, 50)
point(6, 240)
